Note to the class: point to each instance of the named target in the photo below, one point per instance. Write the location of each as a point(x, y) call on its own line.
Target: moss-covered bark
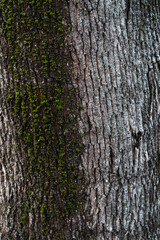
point(44, 112)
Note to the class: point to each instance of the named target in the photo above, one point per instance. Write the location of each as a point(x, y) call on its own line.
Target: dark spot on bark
point(89, 124)
point(136, 139)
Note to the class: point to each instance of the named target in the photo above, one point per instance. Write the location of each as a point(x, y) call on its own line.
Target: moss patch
point(44, 110)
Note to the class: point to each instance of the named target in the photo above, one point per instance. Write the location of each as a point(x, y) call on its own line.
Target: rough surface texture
point(41, 185)
point(116, 59)
point(116, 54)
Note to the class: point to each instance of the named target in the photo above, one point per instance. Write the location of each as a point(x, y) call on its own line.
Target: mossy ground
point(43, 109)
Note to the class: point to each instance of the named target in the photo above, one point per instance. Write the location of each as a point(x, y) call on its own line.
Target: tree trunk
point(116, 58)
point(115, 75)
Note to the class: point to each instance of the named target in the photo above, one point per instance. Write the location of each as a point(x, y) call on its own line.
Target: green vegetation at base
point(43, 109)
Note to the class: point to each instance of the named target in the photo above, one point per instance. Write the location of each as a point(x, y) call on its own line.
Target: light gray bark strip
point(115, 46)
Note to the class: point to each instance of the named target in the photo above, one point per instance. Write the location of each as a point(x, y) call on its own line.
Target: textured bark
point(115, 49)
point(116, 61)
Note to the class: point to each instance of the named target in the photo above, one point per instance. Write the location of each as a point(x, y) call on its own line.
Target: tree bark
point(115, 54)
point(116, 58)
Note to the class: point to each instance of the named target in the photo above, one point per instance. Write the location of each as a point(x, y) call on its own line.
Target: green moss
point(23, 220)
point(43, 108)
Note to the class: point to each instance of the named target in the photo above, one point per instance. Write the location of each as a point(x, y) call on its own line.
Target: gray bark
point(116, 61)
point(116, 58)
